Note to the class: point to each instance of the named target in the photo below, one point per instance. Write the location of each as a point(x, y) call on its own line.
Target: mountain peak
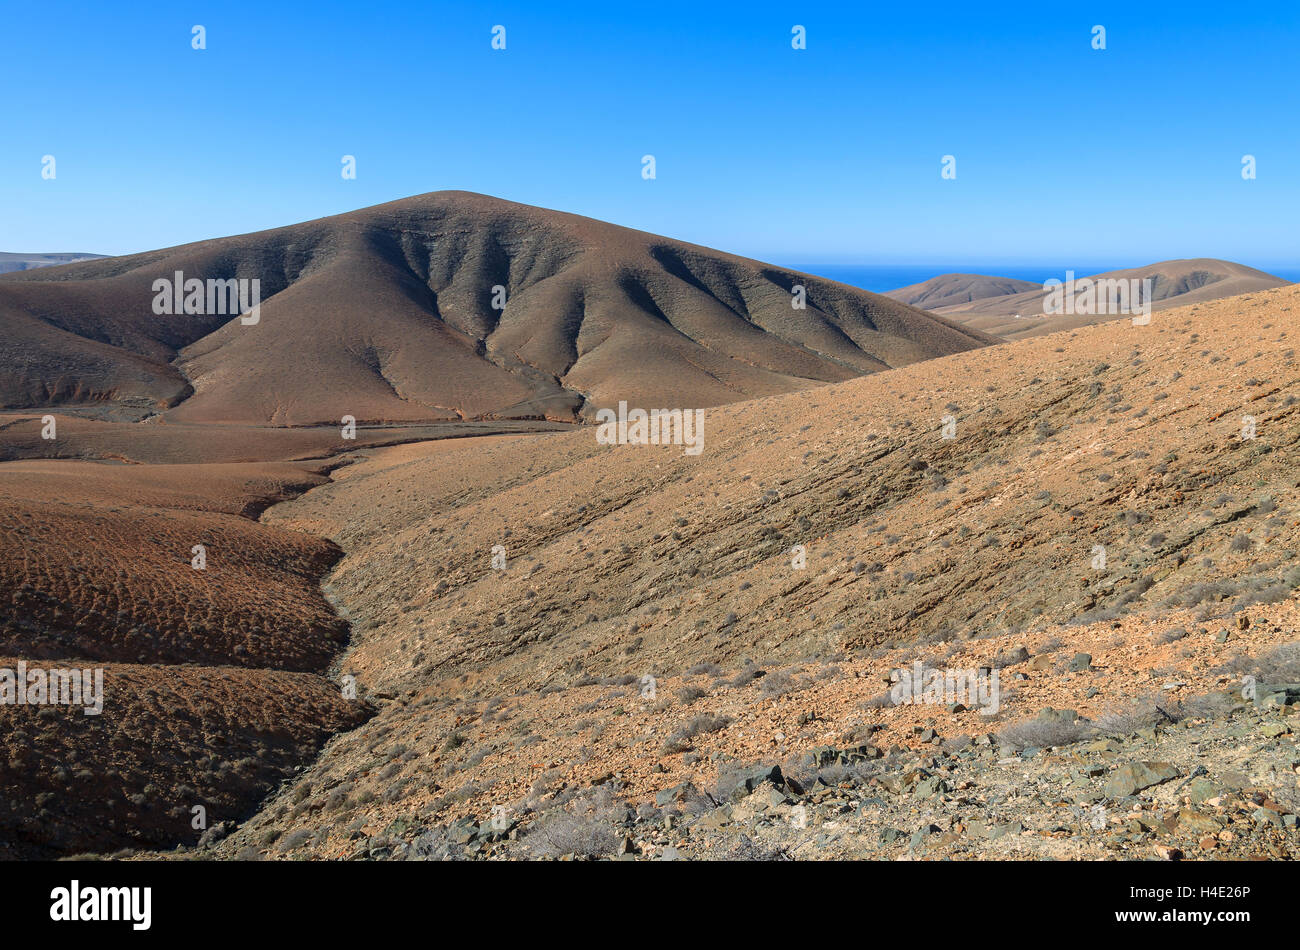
point(446, 305)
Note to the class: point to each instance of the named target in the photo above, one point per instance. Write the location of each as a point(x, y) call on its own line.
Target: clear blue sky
point(1127, 155)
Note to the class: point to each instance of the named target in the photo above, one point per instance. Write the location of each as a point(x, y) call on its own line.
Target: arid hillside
point(79, 535)
point(1016, 315)
point(609, 648)
point(1094, 495)
point(445, 306)
point(1122, 436)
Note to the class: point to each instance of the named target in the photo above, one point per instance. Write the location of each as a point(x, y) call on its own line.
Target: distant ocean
point(882, 277)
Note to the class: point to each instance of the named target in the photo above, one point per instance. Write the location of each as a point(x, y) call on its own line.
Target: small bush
point(1041, 733)
point(1281, 664)
point(688, 694)
point(704, 723)
point(1149, 711)
point(778, 684)
point(746, 676)
point(560, 834)
point(295, 839)
point(1171, 636)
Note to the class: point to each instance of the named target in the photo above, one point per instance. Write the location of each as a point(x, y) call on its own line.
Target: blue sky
point(1128, 155)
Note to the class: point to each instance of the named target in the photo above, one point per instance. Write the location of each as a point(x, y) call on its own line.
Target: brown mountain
point(386, 314)
point(1173, 284)
point(956, 290)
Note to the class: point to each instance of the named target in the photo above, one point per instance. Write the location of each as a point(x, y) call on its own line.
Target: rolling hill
point(957, 290)
point(1013, 314)
point(10, 261)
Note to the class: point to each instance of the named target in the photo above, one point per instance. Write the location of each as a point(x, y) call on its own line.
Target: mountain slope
point(386, 314)
point(1099, 494)
point(1113, 436)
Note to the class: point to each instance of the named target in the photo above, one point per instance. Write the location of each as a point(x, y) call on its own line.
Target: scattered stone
point(1010, 828)
point(1266, 816)
point(919, 836)
point(677, 793)
point(716, 820)
point(1014, 656)
point(1277, 694)
point(462, 830)
point(1188, 821)
point(1133, 777)
point(822, 756)
point(753, 778)
point(931, 787)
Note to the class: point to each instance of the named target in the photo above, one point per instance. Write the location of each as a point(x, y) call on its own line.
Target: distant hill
point(386, 314)
point(10, 261)
point(954, 290)
point(1012, 315)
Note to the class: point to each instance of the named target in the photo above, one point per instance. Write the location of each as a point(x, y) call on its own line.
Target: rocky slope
point(520, 690)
